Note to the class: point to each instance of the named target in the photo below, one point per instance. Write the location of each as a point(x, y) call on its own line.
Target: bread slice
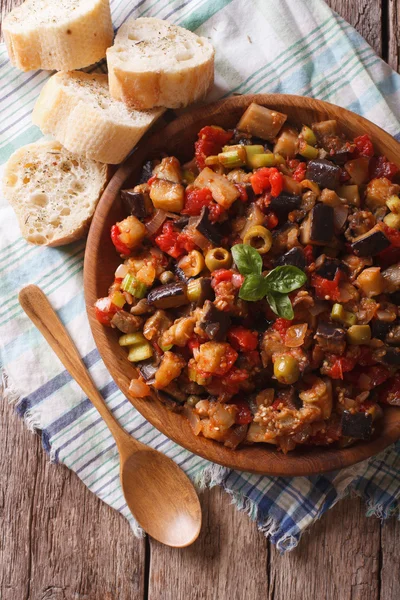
point(58, 34)
point(76, 108)
point(154, 63)
point(53, 192)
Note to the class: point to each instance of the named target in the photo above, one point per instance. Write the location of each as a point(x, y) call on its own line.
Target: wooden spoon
point(160, 496)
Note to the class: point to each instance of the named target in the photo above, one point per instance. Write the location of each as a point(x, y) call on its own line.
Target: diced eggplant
point(261, 121)
point(126, 322)
point(180, 274)
point(340, 156)
point(391, 275)
point(318, 227)
point(206, 228)
point(393, 336)
point(173, 389)
point(370, 243)
point(357, 425)
point(390, 356)
point(170, 402)
point(148, 369)
point(395, 297)
point(283, 204)
point(331, 338)
point(294, 257)
point(328, 268)
point(379, 329)
point(323, 172)
point(147, 171)
point(134, 203)
point(214, 322)
point(170, 295)
point(181, 222)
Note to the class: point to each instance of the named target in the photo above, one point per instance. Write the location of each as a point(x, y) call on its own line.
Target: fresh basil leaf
point(253, 288)
point(247, 259)
point(285, 279)
point(281, 305)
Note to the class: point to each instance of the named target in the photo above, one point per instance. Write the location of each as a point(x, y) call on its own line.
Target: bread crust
point(77, 110)
point(178, 70)
point(53, 192)
point(75, 39)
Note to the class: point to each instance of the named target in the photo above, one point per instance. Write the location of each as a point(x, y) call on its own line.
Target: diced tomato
point(242, 339)
point(271, 220)
point(364, 356)
point(216, 212)
point(104, 310)
point(309, 253)
point(243, 192)
point(174, 242)
point(300, 172)
point(380, 166)
point(120, 247)
point(227, 361)
point(210, 142)
point(195, 199)
point(390, 392)
point(325, 287)
point(221, 275)
point(364, 145)
point(281, 325)
point(244, 415)
point(378, 374)
point(393, 235)
point(193, 343)
point(340, 365)
point(267, 178)
point(389, 256)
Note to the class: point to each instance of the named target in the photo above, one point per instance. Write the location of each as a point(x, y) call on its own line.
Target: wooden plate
point(101, 260)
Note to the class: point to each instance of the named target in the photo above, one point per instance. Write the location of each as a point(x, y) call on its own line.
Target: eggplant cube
point(357, 425)
point(206, 228)
point(318, 227)
point(134, 203)
point(391, 357)
point(331, 338)
point(324, 173)
point(370, 243)
point(294, 257)
point(170, 295)
point(328, 268)
point(283, 204)
point(214, 322)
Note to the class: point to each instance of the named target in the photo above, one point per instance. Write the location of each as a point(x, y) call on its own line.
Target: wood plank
point(58, 540)
point(228, 561)
point(390, 573)
point(394, 34)
point(365, 16)
point(339, 558)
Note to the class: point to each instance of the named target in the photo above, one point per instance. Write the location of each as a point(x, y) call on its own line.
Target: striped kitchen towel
point(290, 46)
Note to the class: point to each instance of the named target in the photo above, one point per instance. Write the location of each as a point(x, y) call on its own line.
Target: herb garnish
point(275, 287)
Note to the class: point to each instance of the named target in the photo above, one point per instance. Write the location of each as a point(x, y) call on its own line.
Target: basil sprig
point(275, 287)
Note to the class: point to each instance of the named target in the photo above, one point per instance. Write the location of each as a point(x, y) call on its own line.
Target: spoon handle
point(36, 305)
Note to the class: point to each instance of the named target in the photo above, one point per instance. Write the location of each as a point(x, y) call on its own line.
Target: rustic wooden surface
point(59, 542)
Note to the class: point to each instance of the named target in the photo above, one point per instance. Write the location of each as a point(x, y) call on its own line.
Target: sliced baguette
point(154, 63)
point(77, 110)
point(58, 34)
point(53, 192)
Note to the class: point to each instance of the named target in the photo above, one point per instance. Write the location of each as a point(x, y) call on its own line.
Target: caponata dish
point(259, 285)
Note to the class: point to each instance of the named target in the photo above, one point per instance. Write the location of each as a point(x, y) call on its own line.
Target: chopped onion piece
point(340, 214)
point(155, 223)
point(295, 335)
point(139, 388)
point(194, 420)
point(121, 271)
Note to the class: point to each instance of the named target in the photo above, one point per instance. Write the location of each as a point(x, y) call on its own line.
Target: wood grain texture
point(365, 16)
point(101, 261)
point(58, 556)
point(58, 541)
point(393, 52)
point(334, 562)
point(229, 561)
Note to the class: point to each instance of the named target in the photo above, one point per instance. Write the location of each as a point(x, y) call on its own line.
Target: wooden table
point(59, 542)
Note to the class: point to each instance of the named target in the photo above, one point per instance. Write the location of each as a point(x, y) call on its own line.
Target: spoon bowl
point(159, 494)
point(169, 511)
